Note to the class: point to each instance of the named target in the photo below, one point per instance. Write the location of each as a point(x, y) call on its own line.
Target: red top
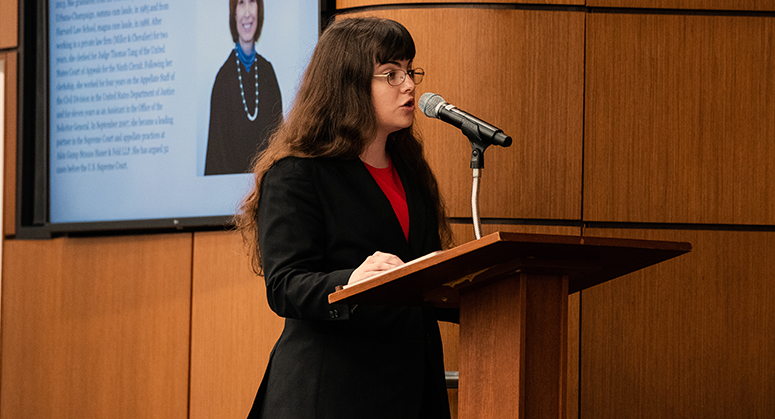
point(388, 180)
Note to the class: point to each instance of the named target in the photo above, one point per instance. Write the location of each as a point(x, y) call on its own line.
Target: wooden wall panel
point(679, 122)
point(753, 5)
point(521, 71)
point(9, 142)
point(343, 4)
point(464, 233)
point(9, 20)
point(688, 338)
point(96, 328)
point(233, 330)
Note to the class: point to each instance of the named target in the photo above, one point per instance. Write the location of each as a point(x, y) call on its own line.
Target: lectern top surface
point(438, 278)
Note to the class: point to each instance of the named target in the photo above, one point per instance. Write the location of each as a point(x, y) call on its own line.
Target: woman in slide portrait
point(245, 105)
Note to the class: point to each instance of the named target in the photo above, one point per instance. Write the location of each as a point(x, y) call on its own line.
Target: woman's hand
point(374, 264)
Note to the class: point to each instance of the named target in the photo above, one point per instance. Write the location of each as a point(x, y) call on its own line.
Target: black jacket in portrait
point(233, 140)
point(318, 220)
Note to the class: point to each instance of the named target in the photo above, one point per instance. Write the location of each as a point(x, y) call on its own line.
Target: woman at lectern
point(344, 192)
point(245, 105)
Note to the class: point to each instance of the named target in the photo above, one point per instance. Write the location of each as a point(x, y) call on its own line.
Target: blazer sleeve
point(291, 236)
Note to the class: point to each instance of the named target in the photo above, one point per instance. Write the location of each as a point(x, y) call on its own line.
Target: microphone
point(434, 106)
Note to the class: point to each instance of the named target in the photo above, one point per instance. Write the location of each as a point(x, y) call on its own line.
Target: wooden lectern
point(512, 290)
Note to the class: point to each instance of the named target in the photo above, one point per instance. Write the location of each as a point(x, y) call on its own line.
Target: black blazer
point(318, 220)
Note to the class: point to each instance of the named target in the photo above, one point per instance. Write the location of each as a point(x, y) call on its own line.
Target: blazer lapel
point(416, 204)
point(357, 177)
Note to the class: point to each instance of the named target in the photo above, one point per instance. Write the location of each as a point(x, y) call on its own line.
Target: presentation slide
point(130, 88)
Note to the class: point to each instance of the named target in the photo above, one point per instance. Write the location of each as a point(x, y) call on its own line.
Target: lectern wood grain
point(518, 325)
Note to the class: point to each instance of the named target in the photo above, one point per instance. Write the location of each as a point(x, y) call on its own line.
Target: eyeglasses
point(397, 77)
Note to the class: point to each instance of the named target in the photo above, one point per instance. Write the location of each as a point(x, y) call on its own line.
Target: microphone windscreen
point(429, 103)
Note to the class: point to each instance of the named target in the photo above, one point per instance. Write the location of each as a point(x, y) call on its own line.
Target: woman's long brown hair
point(333, 114)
